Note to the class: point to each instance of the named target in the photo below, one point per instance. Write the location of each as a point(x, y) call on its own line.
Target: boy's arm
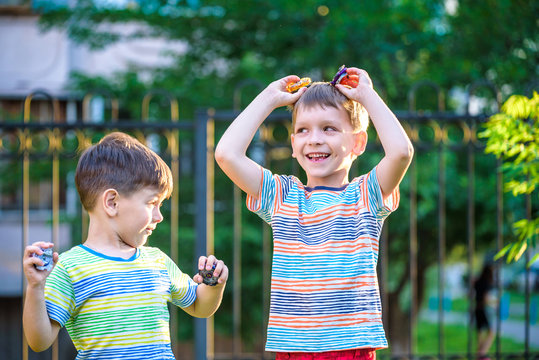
point(231, 151)
point(208, 297)
point(207, 302)
point(39, 329)
point(397, 146)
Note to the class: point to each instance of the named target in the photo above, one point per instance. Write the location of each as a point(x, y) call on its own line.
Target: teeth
point(317, 156)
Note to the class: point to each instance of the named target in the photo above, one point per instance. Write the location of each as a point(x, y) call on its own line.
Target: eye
point(330, 128)
point(301, 130)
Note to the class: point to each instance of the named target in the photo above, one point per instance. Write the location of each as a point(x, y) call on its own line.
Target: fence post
point(236, 264)
point(499, 206)
point(88, 117)
point(413, 238)
point(204, 144)
point(26, 145)
point(173, 146)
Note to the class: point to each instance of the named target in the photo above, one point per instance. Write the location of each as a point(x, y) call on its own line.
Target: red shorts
point(357, 354)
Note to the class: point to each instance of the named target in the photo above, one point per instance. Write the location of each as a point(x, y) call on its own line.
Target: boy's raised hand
point(364, 85)
point(277, 94)
point(34, 276)
point(231, 151)
point(207, 263)
point(397, 146)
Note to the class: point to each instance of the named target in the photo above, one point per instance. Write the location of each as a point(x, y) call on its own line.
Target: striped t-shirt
point(324, 289)
point(114, 308)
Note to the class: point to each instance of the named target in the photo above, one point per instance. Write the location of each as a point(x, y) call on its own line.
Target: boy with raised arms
point(325, 301)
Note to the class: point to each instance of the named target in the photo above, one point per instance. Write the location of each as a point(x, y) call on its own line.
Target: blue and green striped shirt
point(117, 308)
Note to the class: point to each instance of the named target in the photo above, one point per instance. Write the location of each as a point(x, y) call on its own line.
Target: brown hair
point(121, 162)
point(326, 95)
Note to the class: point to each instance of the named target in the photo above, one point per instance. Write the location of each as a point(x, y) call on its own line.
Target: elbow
point(203, 314)
point(225, 156)
point(220, 155)
point(38, 349)
point(405, 154)
point(409, 152)
point(37, 346)
point(206, 315)
point(38, 340)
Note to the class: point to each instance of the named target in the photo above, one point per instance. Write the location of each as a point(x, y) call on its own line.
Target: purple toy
point(339, 75)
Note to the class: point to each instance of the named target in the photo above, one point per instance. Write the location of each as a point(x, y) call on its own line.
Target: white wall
point(30, 59)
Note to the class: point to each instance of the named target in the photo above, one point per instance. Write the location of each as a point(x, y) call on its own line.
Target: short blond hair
point(326, 95)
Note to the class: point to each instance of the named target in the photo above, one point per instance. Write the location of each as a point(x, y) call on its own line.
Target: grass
point(462, 305)
point(455, 341)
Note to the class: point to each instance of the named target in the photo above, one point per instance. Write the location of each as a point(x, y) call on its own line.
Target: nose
point(157, 216)
point(315, 137)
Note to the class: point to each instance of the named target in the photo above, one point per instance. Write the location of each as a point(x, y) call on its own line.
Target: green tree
point(398, 42)
point(513, 136)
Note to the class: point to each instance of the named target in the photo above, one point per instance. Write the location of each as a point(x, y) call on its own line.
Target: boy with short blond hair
point(325, 301)
point(111, 292)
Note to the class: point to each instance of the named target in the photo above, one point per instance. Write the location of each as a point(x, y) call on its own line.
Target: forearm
point(208, 301)
point(240, 133)
point(40, 331)
point(396, 144)
point(230, 152)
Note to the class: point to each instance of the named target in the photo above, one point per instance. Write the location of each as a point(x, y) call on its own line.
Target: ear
point(292, 143)
point(110, 201)
point(360, 143)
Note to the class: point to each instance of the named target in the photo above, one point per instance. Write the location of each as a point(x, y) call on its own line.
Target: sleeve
point(59, 295)
point(377, 206)
point(265, 204)
point(183, 289)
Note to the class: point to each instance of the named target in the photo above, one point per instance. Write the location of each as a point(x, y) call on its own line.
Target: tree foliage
point(513, 136)
point(398, 42)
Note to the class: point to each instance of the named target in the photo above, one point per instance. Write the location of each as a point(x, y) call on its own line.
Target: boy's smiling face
point(325, 145)
point(138, 215)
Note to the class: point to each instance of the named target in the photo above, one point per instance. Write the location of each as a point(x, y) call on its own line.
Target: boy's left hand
point(207, 263)
point(364, 85)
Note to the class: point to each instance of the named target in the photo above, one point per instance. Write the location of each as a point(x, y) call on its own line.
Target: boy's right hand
point(34, 276)
point(277, 94)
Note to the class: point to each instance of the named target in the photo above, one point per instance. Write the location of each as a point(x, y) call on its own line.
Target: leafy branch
point(513, 136)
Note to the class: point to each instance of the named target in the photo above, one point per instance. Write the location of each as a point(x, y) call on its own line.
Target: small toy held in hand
point(46, 257)
point(344, 79)
point(339, 75)
point(350, 80)
point(207, 276)
point(293, 87)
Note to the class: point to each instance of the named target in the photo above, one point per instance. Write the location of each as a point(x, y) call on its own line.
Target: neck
point(336, 180)
point(103, 240)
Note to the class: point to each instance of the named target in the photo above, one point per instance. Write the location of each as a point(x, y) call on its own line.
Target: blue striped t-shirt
point(324, 288)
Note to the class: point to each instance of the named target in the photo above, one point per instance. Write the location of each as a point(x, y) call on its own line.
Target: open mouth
point(317, 156)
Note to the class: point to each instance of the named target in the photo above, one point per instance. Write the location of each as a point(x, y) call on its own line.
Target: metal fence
point(443, 215)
